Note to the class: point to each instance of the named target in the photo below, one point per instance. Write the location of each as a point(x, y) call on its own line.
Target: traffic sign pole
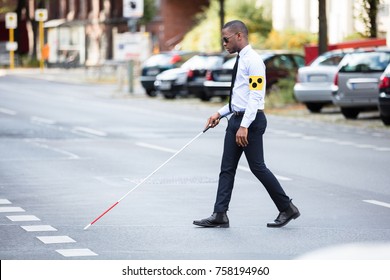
point(11, 23)
point(11, 52)
point(41, 39)
point(41, 16)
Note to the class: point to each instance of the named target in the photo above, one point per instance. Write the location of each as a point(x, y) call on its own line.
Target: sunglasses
point(226, 39)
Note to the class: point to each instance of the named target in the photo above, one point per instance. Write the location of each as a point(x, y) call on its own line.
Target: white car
point(314, 84)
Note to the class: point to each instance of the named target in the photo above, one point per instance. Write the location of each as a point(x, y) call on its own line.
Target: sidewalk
point(115, 80)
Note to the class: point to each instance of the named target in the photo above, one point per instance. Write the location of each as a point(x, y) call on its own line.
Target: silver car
point(314, 84)
point(358, 80)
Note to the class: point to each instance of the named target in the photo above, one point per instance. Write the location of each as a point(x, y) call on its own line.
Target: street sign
point(11, 46)
point(11, 20)
point(133, 8)
point(41, 15)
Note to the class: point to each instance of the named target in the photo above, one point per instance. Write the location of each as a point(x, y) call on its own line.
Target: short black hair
point(236, 26)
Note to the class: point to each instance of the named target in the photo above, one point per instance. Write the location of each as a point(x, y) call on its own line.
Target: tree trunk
point(323, 27)
point(222, 18)
point(372, 13)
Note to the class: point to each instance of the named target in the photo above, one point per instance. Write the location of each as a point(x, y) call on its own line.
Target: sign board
point(11, 46)
point(131, 46)
point(133, 8)
point(11, 20)
point(41, 15)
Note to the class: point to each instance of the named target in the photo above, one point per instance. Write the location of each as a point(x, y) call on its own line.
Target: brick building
point(83, 29)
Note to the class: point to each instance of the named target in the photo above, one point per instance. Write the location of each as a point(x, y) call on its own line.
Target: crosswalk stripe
point(56, 239)
point(23, 218)
point(11, 209)
point(39, 228)
point(76, 252)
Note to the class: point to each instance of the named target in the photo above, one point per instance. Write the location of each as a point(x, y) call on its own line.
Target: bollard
point(131, 76)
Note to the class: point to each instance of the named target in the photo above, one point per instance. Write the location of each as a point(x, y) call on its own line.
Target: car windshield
point(328, 59)
point(159, 60)
point(366, 62)
point(203, 62)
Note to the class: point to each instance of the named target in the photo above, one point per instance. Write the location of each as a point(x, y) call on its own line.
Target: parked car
point(314, 85)
point(357, 81)
point(189, 78)
point(158, 63)
point(384, 96)
point(279, 65)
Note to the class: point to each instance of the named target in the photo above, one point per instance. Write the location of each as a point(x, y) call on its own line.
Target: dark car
point(384, 96)
point(158, 63)
point(189, 78)
point(279, 65)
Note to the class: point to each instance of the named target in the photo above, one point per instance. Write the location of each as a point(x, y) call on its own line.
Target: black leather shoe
point(219, 219)
point(285, 217)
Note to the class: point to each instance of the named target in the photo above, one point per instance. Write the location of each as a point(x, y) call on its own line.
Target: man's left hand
point(242, 136)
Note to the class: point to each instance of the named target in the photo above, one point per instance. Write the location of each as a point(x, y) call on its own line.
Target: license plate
point(317, 78)
point(364, 86)
point(152, 72)
point(224, 78)
point(165, 86)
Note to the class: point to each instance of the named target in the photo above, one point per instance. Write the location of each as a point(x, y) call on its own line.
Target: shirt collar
point(245, 50)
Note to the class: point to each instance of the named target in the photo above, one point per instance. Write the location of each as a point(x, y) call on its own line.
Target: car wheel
point(169, 95)
point(205, 97)
point(385, 120)
point(350, 113)
point(314, 107)
point(151, 93)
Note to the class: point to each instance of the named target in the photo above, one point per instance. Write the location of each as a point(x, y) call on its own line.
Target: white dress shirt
point(243, 98)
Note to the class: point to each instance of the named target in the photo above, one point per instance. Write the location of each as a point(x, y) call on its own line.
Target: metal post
point(11, 53)
point(131, 76)
point(41, 42)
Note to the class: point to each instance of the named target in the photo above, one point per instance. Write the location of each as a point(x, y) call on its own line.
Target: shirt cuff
point(224, 111)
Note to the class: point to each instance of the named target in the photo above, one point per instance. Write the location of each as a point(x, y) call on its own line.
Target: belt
point(241, 113)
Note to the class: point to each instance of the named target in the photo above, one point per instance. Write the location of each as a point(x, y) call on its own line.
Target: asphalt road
point(70, 151)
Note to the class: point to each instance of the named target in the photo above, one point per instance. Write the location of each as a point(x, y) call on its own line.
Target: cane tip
point(87, 227)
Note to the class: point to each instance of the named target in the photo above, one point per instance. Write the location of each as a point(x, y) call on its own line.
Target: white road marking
point(89, 131)
point(42, 120)
point(68, 154)
point(281, 178)
point(159, 148)
point(11, 209)
point(76, 252)
point(5, 201)
point(23, 218)
point(39, 228)
point(376, 202)
point(7, 111)
point(328, 140)
point(56, 239)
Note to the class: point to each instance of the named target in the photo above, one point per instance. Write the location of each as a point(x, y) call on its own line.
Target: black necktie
point(233, 80)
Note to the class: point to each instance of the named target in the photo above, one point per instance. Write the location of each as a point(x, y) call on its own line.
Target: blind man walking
point(245, 130)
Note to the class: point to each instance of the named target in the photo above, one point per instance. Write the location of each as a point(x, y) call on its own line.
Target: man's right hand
point(213, 121)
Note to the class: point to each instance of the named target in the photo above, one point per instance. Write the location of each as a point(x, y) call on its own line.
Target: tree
point(369, 15)
point(206, 35)
point(323, 27)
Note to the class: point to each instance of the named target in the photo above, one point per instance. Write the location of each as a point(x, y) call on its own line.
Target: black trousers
point(254, 154)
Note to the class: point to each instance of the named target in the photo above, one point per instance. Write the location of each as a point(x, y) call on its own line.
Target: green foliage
point(289, 40)
point(149, 11)
point(281, 94)
point(368, 16)
point(206, 36)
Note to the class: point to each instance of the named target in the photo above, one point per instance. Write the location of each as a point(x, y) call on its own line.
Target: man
point(245, 130)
